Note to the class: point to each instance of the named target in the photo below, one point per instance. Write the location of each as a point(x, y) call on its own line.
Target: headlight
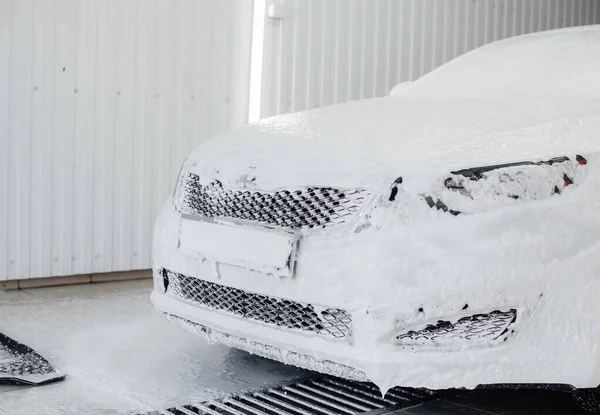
point(480, 189)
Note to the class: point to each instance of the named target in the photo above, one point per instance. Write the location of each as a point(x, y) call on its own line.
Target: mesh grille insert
point(478, 328)
point(279, 312)
point(317, 207)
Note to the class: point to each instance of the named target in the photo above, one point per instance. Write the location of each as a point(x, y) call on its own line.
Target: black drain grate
point(315, 396)
point(21, 365)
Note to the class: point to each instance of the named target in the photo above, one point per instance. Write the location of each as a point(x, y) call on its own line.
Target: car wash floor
point(122, 357)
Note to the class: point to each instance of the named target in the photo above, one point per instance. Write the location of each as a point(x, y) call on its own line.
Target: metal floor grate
point(315, 396)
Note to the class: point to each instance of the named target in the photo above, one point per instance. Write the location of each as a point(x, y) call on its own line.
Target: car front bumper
point(550, 342)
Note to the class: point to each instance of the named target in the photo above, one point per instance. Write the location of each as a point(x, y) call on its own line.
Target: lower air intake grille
point(317, 207)
point(475, 329)
point(279, 312)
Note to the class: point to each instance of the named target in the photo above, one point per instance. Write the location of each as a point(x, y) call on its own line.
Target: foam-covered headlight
point(483, 189)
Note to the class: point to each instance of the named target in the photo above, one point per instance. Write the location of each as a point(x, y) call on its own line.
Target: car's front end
point(462, 277)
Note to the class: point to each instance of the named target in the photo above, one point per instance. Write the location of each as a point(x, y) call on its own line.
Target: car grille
point(478, 328)
point(279, 312)
point(316, 207)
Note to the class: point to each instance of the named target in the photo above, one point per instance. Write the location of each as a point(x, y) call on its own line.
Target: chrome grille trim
point(288, 314)
point(308, 208)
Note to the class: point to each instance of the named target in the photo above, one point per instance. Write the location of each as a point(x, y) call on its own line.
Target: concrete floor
point(120, 356)
point(118, 353)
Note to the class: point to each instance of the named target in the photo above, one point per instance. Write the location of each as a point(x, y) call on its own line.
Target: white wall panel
point(19, 130)
point(5, 22)
point(100, 101)
point(330, 51)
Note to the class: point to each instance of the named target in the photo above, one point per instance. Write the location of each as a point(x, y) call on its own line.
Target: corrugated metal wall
point(100, 101)
point(331, 51)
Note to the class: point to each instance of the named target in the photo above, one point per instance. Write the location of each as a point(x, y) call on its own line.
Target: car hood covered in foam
point(367, 143)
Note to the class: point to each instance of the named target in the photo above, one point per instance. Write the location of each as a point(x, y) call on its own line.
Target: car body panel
point(398, 265)
point(368, 143)
point(438, 263)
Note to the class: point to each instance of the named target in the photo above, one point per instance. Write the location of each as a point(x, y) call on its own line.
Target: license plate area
point(271, 252)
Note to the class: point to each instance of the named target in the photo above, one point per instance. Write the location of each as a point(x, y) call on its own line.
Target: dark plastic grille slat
point(335, 398)
point(376, 403)
point(313, 406)
point(238, 404)
point(356, 388)
point(178, 411)
point(400, 394)
point(408, 394)
point(189, 410)
point(318, 396)
point(284, 404)
point(185, 411)
point(282, 313)
point(318, 399)
point(400, 397)
point(228, 409)
point(317, 207)
point(205, 410)
point(373, 391)
point(264, 405)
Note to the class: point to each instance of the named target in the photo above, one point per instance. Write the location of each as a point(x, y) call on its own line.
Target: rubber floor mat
point(21, 365)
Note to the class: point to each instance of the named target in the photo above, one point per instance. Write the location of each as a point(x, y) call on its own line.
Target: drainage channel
point(315, 396)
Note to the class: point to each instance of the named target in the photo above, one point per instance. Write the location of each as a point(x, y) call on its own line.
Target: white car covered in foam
point(426, 241)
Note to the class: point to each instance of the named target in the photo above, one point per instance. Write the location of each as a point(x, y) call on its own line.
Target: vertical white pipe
point(256, 62)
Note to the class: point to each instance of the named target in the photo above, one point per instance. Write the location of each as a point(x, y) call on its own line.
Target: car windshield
point(537, 65)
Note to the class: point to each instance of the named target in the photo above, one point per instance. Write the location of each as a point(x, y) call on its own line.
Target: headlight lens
point(480, 189)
